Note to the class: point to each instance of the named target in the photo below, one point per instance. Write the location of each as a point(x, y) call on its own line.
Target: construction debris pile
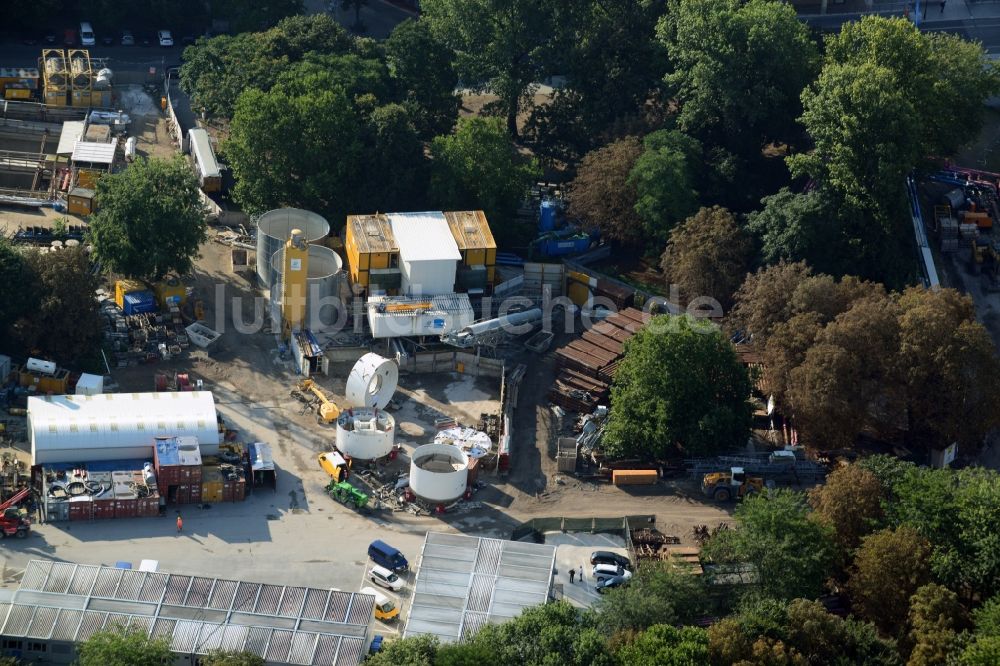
point(135, 328)
point(588, 363)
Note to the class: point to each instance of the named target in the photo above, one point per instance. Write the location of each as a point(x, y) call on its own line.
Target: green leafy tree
point(850, 501)
point(987, 617)
point(118, 647)
point(358, 76)
point(888, 569)
point(664, 178)
point(63, 323)
point(984, 648)
point(502, 46)
point(295, 150)
point(462, 654)
point(423, 68)
point(415, 651)
point(477, 168)
point(664, 645)
point(889, 470)
point(601, 195)
point(936, 617)
point(707, 256)
point(232, 658)
point(15, 300)
point(678, 390)
point(216, 71)
point(737, 69)
point(150, 220)
point(792, 554)
point(544, 635)
point(660, 593)
point(246, 15)
point(394, 172)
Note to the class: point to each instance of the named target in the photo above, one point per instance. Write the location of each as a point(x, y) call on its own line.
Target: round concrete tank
point(273, 229)
point(439, 473)
point(365, 434)
point(324, 280)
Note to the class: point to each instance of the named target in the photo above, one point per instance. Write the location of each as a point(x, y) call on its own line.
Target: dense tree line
point(871, 534)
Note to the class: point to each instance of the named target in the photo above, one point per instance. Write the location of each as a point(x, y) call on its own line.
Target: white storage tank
point(365, 434)
point(439, 473)
point(372, 382)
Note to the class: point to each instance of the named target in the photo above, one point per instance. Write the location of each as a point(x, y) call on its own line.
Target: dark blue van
point(385, 555)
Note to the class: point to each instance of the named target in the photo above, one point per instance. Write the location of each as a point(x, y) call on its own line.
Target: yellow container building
point(370, 246)
point(475, 242)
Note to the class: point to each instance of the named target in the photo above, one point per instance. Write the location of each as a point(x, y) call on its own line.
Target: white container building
point(398, 317)
point(428, 253)
point(113, 426)
point(209, 174)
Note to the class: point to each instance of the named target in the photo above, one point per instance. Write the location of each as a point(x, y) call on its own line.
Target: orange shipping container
point(634, 477)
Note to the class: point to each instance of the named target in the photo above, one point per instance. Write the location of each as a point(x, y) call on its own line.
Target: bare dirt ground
point(149, 123)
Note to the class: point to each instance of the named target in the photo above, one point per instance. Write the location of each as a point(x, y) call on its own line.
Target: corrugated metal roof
point(95, 153)
point(67, 602)
point(423, 237)
point(463, 582)
point(71, 132)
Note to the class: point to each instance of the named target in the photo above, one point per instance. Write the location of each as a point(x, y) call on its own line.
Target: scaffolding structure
point(81, 77)
point(56, 77)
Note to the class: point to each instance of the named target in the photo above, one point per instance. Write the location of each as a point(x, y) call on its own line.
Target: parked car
point(165, 38)
point(608, 557)
point(69, 37)
point(385, 555)
point(128, 39)
point(145, 39)
point(606, 584)
point(382, 576)
point(189, 39)
point(602, 571)
point(50, 37)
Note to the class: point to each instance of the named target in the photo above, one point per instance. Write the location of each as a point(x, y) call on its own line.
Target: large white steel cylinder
point(372, 382)
point(365, 434)
point(273, 229)
point(439, 472)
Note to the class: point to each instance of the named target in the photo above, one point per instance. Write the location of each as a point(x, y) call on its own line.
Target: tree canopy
point(118, 647)
point(850, 501)
point(476, 167)
point(664, 178)
point(150, 220)
point(791, 554)
point(601, 195)
point(707, 256)
point(678, 390)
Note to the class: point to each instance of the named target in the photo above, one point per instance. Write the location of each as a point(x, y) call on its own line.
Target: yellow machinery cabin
point(475, 243)
point(370, 246)
point(80, 201)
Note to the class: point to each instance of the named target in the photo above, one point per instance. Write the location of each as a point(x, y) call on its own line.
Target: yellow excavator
point(326, 409)
point(724, 486)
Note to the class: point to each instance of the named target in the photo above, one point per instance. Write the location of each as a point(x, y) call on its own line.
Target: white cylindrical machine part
point(513, 319)
point(365, 434)
point(439, 472)
point(273, 229)
point(372, 382)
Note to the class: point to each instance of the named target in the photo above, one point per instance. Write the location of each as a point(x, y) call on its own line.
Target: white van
point(87, 35)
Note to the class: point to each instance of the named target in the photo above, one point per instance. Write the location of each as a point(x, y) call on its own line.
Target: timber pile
point(589, 362)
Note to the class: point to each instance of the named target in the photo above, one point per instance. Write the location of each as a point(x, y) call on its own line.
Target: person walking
point(581, 574)
point(942, 6)
point(180, 523)
point(572, 574)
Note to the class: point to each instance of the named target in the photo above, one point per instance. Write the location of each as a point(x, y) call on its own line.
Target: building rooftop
point(470, 229)
point(72, 130)
point(61, 601)
point(372, 233)
point(423, 237)
point(464, 582)
point(94, 153)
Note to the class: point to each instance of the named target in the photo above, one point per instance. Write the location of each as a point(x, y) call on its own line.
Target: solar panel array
point(61, 601)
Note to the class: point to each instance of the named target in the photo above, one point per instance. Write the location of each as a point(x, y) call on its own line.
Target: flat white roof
point(95, 153)
point(72, 130)
point(423, 237)
point(201, 148)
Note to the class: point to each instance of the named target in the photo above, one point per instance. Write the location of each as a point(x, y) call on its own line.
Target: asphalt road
point(123, 58)
point(985, 30)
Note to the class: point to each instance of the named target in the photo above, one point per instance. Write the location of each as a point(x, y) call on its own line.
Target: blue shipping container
point(547, 216)
point(139, 302)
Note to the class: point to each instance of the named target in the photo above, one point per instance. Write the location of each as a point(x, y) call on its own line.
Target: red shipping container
point(239, 490)
point(195, 493)
point(183, 495)
point(196, 475)
point(227, 491)
point(104, 509)
point(126, 508)
point(81, 508)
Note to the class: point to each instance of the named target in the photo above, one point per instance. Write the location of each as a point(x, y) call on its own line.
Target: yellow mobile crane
point(327, 410)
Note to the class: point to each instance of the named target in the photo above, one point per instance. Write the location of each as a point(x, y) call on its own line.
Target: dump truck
point(734, 484)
